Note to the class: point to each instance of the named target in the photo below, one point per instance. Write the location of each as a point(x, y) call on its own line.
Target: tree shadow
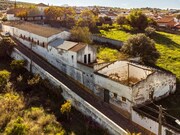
point(161, 39)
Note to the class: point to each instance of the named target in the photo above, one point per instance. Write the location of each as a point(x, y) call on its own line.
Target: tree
point(66, 108)
point(87, 19)
point(33, 11)
point(81, 34)
point(6, 47)
point(121, 20)
point(137, 20)
point(141, 46)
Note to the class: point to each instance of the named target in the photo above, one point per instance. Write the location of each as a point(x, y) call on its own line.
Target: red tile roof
point(77, 47)
point(166, 19)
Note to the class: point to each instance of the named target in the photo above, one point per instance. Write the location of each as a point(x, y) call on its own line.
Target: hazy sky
point(114, 3)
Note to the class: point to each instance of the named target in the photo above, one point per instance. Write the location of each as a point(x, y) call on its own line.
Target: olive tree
point(141, 46)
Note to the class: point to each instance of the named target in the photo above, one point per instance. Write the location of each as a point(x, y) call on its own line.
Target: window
point(29, 39)
point(32, 40)
point(21, 36)
point(38, 42)
point(89, 58)
point(72, 57)
point(85, 59)
point(43, 44)
point(124, 99)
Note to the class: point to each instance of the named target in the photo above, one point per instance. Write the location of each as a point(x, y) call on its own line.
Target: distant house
point(41, 7)
point(167, 21)
point(12, 14)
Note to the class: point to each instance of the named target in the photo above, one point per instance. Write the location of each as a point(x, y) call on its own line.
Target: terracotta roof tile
point(77, 47)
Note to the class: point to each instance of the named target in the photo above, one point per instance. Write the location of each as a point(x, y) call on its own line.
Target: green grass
point(167, 44)
point(116, 34)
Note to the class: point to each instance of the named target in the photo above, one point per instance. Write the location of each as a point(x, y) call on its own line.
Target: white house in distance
point(12, 13)
point(121, 84)
point(41, 7)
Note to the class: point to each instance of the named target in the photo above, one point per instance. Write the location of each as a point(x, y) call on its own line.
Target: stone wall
point(77, 101)
point(110, 42)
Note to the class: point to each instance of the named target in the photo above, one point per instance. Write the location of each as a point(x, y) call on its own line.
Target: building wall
point(11, 17)
point(79, 103)
point(150, 124)
point(155, 87)
point(87, 50)
point(120, 95)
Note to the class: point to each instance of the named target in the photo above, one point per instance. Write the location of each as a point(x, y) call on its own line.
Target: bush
point(150, 31)
point(66, 108)
point(4, 78)
point(121, 20)
point(127, 28)
point(141, 46)
point(16, 127)
point(17, 64)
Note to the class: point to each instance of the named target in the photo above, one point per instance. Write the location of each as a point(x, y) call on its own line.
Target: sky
point(170, 4)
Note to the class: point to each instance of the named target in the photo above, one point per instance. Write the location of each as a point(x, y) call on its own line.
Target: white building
point(121, 84)
point(124, 84)
point(12, 13)
point(41, 7)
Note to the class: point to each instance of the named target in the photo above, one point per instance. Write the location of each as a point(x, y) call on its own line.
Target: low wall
point(151, 124)
point(111, 42)
point(79, 103)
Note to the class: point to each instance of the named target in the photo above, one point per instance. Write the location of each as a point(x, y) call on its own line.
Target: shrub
point(150, 31)
point(4, 78)
point(35, 80)
point(141, 46)
point(16, 127)
point(66, 108)
point(17, 64)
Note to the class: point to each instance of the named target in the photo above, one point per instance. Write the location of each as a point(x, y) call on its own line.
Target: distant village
point(124, 85)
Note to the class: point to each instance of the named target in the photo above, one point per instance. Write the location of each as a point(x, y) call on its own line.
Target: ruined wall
point(150, 124)
point(156, 86)
point(77, 101)
point(118, 68)
point(120, 95)
point(138, 72)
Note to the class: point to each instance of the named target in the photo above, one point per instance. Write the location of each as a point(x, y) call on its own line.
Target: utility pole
point(160, 120)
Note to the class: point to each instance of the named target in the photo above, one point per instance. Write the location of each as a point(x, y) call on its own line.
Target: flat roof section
point(36, 29)
point(61, 44)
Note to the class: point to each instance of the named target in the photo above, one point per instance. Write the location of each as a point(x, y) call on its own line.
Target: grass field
point(167, 44)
